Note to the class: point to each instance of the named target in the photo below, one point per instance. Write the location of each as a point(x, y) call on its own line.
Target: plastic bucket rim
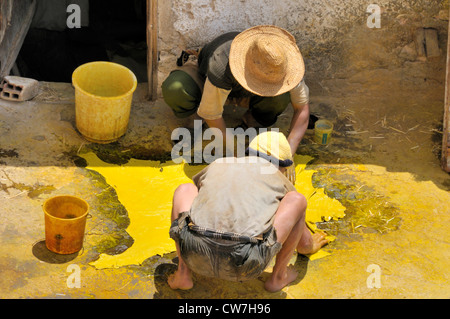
point(77, 86)
point(65, 219)
point(324, 121)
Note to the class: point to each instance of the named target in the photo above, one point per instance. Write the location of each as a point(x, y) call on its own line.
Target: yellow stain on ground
point(145, 189)
point(320, 206)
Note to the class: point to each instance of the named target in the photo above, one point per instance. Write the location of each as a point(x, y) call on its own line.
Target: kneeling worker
point(239, 214)
point(260, 68)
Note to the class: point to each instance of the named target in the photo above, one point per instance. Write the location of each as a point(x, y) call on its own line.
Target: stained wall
point(341, 52)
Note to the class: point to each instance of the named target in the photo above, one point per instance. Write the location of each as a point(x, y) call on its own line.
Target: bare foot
point(316, 242)
point(277, 282)
point(177, 281)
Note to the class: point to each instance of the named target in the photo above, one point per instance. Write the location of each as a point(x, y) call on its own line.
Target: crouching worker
point(241, 213)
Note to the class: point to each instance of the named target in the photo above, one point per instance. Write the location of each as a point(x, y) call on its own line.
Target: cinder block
point(16, 88)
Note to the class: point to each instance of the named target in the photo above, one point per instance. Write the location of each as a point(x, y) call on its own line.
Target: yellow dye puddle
point(145, 189)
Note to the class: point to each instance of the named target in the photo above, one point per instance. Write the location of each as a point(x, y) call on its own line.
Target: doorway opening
point(111, 30)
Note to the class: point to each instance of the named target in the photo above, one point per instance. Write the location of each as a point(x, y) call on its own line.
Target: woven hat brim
point(238, 54)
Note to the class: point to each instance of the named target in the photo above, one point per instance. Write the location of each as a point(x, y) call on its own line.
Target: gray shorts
point(234, 260)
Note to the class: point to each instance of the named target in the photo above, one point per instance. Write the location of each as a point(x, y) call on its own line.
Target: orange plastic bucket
point(103, 96)
point(65, 222)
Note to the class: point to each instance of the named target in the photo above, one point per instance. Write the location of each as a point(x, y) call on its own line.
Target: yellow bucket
point(322, 131)
point(103, 95)
point(65, 222)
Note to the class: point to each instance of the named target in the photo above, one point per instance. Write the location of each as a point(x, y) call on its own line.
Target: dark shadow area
point(110, 31)
point(301, 265)
point(204, 286)
point(163, 291)
point(41, 252)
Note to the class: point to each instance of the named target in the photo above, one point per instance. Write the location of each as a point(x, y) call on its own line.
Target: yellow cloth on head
point(274, 144)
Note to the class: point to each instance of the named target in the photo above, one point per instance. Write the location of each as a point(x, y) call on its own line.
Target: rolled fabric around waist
point(217, 234)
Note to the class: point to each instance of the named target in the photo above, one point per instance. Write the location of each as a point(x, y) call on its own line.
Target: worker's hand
point(290, 174)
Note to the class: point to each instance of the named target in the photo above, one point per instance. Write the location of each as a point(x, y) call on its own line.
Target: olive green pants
point(183, 95)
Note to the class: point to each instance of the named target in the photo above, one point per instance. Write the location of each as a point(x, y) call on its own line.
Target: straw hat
point(266, 61)
point(272, 146)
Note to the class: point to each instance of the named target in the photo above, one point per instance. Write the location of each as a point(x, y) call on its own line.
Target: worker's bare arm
point(299, 124)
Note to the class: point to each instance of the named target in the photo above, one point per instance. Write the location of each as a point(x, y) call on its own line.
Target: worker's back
point(239, 195)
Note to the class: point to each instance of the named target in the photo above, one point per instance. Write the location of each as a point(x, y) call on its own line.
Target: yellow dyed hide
point(320, 206)
point(145, 189)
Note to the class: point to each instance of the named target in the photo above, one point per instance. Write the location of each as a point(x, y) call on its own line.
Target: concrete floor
point(382, 165)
